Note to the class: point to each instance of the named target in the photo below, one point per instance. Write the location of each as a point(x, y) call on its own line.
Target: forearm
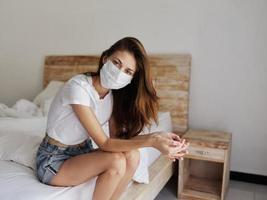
point(121, 145)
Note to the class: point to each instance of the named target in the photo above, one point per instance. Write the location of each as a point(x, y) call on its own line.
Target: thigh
point(81, 168)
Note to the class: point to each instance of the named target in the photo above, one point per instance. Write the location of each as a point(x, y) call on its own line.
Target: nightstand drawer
point(205, 152)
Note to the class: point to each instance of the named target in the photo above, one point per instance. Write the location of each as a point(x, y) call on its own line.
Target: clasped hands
point(171, 145)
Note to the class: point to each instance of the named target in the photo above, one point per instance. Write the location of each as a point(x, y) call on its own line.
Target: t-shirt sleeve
point(74, 93)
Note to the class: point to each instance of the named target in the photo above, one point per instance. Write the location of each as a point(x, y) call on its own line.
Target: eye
point(129, 72)
point(115, 62)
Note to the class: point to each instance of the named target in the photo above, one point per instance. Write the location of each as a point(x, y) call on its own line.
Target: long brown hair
point(136, 105)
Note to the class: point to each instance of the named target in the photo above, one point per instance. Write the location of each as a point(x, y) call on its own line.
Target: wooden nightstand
point(204, 172)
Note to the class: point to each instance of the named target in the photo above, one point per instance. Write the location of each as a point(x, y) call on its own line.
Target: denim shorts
point(49, 158)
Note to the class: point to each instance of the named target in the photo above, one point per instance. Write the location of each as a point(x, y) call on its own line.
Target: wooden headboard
point(170, 72)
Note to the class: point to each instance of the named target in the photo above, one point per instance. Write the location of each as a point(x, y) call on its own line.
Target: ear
point(105, 58)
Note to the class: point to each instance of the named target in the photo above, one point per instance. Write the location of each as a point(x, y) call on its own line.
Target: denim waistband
point(46, 139)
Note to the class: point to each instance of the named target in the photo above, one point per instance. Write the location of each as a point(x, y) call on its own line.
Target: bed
point(171, 77)
point(18, 181)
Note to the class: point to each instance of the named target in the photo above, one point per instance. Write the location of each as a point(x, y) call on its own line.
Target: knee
point(132, 159)
point(118, 164)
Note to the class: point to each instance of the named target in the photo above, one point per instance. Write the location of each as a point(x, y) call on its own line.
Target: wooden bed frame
point(171, 77)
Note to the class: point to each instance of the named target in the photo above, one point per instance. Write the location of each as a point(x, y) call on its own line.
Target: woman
point(120, 93)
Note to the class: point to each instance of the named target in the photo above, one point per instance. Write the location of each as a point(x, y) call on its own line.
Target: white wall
point(227, 40)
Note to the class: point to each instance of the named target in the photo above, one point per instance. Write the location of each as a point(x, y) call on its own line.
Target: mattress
point(18, 182)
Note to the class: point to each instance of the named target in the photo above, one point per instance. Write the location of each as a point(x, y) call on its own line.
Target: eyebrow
point(121, 63)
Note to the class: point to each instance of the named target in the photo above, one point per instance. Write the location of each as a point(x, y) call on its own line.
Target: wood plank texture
point(204, 173)
point(205, 138)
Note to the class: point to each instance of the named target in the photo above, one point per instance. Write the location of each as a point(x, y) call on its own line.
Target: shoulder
point(79, 82)
point(77, 90)
point(79, 79)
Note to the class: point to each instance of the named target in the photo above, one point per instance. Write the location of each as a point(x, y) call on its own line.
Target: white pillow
point(45, 105)
point(165, 124)
point(49, 92)
point(20, 148)
point(141, 174)
point(30, 126)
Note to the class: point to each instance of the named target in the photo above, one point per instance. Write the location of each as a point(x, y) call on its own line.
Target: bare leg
point(110, 179)
point(132, 161)
point(109, 167)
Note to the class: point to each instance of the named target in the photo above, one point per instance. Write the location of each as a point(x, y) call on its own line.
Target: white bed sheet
point(18, 182)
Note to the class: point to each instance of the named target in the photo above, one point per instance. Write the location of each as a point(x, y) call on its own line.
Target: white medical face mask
point(111, 77)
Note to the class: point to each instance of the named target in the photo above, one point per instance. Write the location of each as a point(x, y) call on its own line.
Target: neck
point(99, 88)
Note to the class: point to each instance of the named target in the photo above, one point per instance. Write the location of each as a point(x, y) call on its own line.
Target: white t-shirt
point(63, 124)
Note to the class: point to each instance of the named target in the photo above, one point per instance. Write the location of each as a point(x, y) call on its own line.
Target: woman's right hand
point(170, 144)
